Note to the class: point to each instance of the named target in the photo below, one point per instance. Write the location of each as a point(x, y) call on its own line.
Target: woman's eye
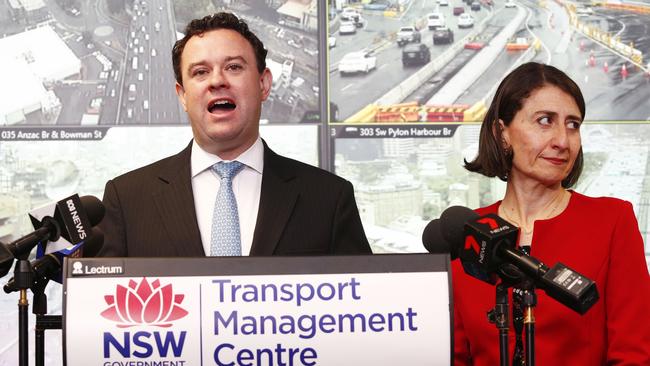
point(574, 125)
point(544, 120)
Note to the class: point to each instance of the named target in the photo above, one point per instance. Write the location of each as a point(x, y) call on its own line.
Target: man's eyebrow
point(227, 59)
point(233, 58)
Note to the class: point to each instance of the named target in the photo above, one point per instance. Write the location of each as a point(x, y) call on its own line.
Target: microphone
point(49, 265)
point(487, 245)
point(75, 216)
point(65, 223)
point(479, 261)
point(434, 242)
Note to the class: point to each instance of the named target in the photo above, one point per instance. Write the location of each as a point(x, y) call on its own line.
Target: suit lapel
point(277, 200)
point(174, 201)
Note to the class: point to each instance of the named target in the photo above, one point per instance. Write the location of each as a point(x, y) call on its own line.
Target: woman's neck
point(523, 205)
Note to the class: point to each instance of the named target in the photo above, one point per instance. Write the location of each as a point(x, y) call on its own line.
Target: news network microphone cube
point(483, 236)
point(77, 225)
point(70, 217)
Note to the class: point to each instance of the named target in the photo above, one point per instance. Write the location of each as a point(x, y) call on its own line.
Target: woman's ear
point(505, 137)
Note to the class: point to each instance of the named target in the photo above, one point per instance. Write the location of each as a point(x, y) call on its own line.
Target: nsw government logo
point(145, 305)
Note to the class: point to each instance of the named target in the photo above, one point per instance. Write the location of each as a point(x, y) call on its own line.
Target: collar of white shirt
point(253, 158)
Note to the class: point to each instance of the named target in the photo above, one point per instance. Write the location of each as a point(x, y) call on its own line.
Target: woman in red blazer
point(530, 138)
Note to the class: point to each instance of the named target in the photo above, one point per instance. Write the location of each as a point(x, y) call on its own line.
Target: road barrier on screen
point(476, 112)
point(407, 112)
point(365, 115)
point(627, 51)
point(637, 8)
point(451, 113)
point(518, 45)
point(412, 112)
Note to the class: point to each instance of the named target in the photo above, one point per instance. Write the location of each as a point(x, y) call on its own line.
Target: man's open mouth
point(221, 105)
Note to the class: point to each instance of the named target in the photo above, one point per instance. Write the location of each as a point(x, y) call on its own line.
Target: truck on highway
point(408, 35)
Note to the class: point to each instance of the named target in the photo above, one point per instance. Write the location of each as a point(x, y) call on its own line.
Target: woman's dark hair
point(493, 160)
point(215, 21)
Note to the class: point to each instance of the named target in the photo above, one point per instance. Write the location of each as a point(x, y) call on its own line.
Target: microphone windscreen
point(452, 224)
point(94, 209)
point(434, 242)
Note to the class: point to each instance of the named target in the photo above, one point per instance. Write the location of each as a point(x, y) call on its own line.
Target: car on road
point(443, 35)
point(435, 20)
point(347, 27)
point(443, 2)
point(377, 5)
point(510, 4)
point(465, 21)
point(145, 104)
point(331, 42)
point(416, 54)
point(408, 35)
point(310, 51)
point(359, 61)
point(475, 6)
point(296, 43)
point(458, 10)
point(140, 76)
point(73, 11)
point(350, 14)
point(129, 113)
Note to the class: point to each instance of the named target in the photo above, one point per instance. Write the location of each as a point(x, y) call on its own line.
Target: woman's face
point(544, 137)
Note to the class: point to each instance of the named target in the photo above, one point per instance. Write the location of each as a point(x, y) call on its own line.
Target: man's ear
point(266, 81)
point(180, 92)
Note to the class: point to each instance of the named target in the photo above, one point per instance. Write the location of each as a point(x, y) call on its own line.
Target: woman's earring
point(507, 149)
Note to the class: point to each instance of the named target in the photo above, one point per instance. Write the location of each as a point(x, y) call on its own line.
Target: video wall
point(388, 94)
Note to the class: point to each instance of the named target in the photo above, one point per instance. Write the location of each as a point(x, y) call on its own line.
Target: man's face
point(222, 91)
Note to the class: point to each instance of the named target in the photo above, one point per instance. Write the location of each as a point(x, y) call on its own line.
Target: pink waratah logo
point(144, 303)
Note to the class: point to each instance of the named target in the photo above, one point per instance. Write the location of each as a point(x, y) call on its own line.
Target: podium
point(330, 310)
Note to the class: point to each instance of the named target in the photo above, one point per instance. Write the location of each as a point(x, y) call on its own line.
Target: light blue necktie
point(226, 238)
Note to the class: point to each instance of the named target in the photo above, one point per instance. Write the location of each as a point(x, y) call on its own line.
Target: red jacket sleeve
point(627, 294)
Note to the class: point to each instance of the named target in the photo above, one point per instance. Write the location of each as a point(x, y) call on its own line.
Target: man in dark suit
point(283, 207)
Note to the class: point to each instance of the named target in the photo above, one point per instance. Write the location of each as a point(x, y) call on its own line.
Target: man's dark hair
point(223, 20)
point(493, 160)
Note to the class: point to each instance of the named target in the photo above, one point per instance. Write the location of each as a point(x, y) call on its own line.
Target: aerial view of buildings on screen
point(108, 62)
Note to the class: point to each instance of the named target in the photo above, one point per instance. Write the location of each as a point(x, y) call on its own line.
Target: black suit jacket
point(303, 211)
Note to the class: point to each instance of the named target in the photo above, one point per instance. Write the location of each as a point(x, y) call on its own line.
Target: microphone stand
point(499, 317)
point(529, 302)
point(24, 277)
point(43, 321)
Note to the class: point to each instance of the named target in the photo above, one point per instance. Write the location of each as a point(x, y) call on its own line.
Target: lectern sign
point(257, 311)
